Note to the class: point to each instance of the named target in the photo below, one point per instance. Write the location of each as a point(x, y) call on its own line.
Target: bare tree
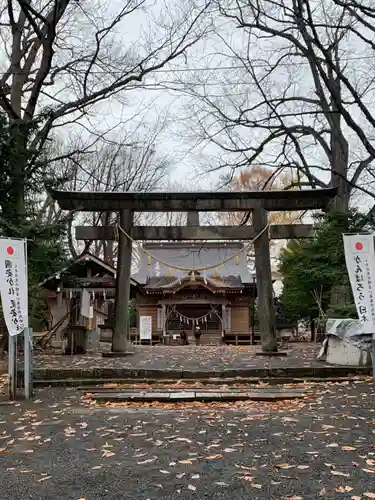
point(132, 163)
point(282, 105)
point(63, 57)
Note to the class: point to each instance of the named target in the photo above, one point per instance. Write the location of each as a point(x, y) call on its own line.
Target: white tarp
point(360, 263)
point(13, 284)
point(350, 330)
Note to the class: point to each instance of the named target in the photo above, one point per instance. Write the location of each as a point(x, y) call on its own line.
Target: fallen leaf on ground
point(343, 489)
point(302, 467)
point(332, 445)
point(369, 495)
point(338, 473)
point(185, 462)
point(370, 471)
point(355, 498)
point(370, 462)
point(258, 486)
point(107, 454)
point(323, 492)
point(44, 479)
point(191, 487)
point(348, 448)
point(184, 440)
point(284, 466)
point(214, 457)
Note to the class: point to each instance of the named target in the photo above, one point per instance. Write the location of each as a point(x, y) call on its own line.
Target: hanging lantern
point(149, 260)
point(169, 272)
point(237, 260)
point(192, 277)
point(217, 272)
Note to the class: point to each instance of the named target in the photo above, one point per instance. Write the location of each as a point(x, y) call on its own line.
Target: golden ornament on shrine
point(192, 277)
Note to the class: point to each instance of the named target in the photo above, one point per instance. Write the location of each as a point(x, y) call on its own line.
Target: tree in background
point(260, 179)
point(311, 269)
point(46, 250)
point(292, 74)
point(62, 58)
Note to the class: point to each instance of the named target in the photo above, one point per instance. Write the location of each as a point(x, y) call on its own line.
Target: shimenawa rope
point(189, 269)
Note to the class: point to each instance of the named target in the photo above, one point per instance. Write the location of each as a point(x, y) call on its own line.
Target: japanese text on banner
point(13, 284)
point(360, 263)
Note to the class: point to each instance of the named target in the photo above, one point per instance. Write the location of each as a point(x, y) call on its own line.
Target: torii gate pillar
point(267, 319)
point(120, 339)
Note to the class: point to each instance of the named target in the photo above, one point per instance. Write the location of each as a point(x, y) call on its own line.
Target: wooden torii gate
point(259, 203)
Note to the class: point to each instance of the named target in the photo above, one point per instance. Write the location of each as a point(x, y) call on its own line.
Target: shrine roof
point(167, 283)
point(193, 256)
point(78, 268)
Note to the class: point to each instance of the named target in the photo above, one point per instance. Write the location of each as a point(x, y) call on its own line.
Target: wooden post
point(123, 274)
point(253, 313)
point(192, 218)
point(267, 322)
point(12, 367)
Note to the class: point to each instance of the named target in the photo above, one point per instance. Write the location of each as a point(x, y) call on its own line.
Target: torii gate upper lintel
point(126, 203)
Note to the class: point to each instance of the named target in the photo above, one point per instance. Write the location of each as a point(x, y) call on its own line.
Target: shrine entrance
point(257, 204)
point(185, 315)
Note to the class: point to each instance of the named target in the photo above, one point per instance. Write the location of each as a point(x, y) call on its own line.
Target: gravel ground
point(62, 447)
point(185, 357)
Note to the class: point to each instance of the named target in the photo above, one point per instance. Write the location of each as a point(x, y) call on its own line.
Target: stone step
point(90, 383)
point(189, 396)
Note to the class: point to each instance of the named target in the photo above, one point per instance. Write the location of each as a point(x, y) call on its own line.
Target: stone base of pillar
point(271, 353)
point(116, 354)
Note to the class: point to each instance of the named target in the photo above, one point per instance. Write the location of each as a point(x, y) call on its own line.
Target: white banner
point(360, 263)
point(85, 303)
point(145, 327)
point(227, 318)
point(13, 284)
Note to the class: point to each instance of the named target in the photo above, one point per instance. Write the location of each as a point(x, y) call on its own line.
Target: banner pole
point(12, 367)
point(27, 341)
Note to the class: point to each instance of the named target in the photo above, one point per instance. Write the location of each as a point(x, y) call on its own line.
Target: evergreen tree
point(45, 242)
point(312, 268)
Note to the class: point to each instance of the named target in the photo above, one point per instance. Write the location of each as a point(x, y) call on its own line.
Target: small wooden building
point(87, 275)
point(173, 295)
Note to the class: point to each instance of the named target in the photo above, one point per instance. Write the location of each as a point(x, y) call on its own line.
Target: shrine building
point(180, 286)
